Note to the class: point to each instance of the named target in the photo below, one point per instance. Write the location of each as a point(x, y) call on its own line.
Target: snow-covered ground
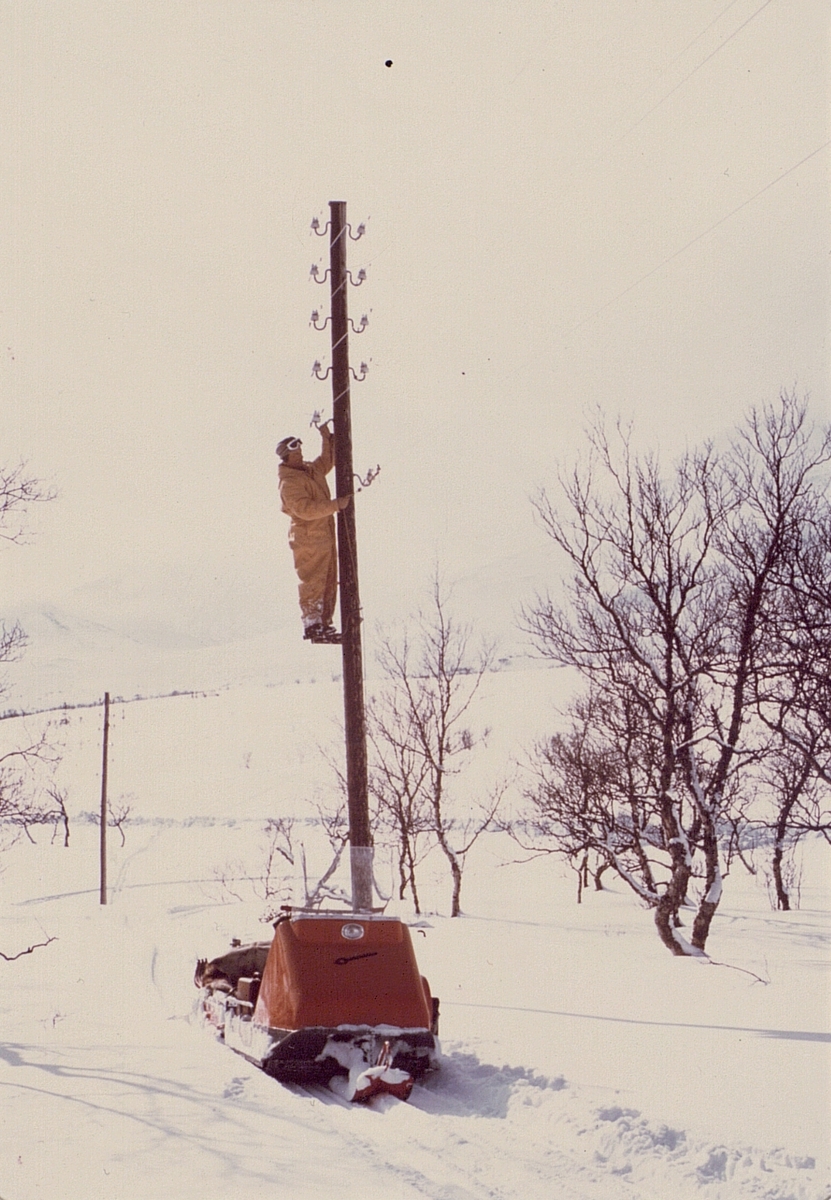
point(579, 1058)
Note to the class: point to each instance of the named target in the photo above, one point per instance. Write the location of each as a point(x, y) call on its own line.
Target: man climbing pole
point(304, 496)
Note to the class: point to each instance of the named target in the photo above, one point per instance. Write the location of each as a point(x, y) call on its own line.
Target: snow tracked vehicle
point(335, 998)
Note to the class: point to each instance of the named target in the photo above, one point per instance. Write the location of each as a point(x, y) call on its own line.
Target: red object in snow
point(383, 1079)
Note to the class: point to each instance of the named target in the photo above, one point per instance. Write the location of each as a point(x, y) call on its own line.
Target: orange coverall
point(304, 496)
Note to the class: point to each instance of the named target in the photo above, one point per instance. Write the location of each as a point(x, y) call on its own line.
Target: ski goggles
point(287, 445)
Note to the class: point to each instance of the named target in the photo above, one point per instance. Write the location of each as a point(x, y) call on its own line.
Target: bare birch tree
point(792, 685)
point(592, 795)
point(20, 810)
point(422, 741)
point(274, 884)
point(671, 577)
point(397, 785)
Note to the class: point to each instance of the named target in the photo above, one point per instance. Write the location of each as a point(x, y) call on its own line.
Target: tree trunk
point(582, 877)
point(412, 877)
point(712, 896)
point(456, 871)
point(666, 910)
point(783, 900)
point(402, 873)
point(677, 843)
point(598, 876)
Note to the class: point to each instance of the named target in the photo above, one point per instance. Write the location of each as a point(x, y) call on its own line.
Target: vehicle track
point(460, 1155)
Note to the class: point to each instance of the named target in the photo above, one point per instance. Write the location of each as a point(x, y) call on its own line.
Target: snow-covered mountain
point(200, 625)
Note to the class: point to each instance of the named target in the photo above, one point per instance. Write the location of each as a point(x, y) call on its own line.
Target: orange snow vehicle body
point(340, 994)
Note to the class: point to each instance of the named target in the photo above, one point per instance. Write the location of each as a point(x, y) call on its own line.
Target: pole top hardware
point(317, 368)
point(359, 233)
point(315, 318)
point(314, 271)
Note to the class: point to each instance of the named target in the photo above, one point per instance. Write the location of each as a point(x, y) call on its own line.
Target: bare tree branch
point(28, 950)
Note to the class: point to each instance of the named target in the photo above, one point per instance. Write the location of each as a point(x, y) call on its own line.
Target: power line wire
point(699, 236)
point(699, 36)
point(703, 63)
point(681, 53)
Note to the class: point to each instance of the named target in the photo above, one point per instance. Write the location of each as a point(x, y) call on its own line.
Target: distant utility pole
point(350, 606)
point(103, 841)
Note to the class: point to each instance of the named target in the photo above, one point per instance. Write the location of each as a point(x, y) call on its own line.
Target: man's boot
point(322, 635)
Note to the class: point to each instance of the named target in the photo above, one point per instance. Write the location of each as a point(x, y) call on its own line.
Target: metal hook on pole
point(371, 475)
point(316, 323)
point(316, 369)
point(359, 378)
point(356, 237)
point(314, 271)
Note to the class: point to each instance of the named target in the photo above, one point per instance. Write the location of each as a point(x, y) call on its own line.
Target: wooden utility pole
point(103, 841)
point(350, 606)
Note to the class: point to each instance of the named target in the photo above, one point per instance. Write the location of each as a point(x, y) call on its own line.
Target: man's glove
point(343, 501)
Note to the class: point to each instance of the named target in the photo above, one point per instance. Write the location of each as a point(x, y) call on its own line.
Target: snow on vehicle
point(335, 998)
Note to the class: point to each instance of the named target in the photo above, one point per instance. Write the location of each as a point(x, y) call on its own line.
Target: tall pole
point(360, 840)
point(105, 755)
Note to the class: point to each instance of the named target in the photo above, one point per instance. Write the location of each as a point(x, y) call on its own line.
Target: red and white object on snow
point(382, 1079)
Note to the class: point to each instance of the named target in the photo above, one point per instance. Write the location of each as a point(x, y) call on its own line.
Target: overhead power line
point(706, 29)
point(700, 236)
point(703, 63)
point(681, 53)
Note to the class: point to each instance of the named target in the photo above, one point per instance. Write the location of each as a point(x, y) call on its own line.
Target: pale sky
point(567, 204)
